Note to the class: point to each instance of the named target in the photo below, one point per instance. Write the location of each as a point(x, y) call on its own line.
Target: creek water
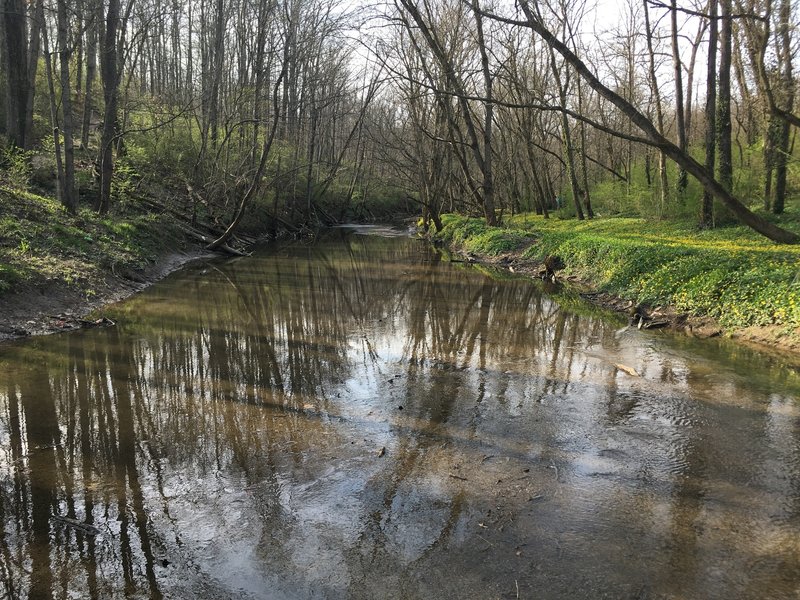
point(359, 418)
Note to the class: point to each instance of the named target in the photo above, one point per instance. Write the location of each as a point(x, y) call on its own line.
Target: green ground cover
point(731, 274)
point(41, 243)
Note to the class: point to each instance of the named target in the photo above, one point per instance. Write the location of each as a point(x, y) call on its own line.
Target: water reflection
point(355, 418)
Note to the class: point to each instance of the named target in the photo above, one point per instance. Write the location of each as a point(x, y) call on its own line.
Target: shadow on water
point(356, 418)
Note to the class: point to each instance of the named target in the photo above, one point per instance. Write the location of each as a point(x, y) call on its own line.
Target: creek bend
point(357, 418)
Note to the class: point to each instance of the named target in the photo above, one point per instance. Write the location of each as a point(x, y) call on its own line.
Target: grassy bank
point(41, 244)
point(730, 274)
point(56, 268)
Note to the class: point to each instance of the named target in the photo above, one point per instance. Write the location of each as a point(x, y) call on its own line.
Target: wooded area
point(317, 111)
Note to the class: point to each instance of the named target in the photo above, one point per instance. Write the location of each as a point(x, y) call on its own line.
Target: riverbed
point(357, 417)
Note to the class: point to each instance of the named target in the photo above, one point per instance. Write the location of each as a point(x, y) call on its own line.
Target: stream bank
point(704, 284)
point(57, 268)
point(370, 419)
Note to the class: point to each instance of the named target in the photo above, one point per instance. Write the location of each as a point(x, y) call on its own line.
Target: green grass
point(40, 242)
point(731, 274)
point(472, 235)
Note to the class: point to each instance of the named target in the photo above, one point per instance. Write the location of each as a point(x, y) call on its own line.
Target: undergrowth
point(40, 242)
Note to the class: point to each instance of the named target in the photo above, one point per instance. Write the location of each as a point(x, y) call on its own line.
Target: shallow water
point(357, 418)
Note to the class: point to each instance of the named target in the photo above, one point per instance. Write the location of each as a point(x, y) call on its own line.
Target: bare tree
point(654, 87)
point(723, 116)
point(69, 197)
point(109, 72)
point(680, 123)
point(15, 53)
point(652, 137)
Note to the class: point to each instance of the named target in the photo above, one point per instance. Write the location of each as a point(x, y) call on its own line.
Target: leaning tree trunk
point(652, 137)
point(262, 163)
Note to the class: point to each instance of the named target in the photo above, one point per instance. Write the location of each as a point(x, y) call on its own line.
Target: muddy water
point(356, 418)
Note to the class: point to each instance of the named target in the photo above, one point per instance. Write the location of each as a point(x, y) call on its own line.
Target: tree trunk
point(724, 97)
point(771, 143)
point(566, 142)
point(748, 102)
point(679, 109)
point(587, 199)
point(218, 63)
point(91, 71)
point(488, 123)
point(54, 119)
point(110, 76)
point(69, 197)
point(37, 22)
point(457, 86)
point(662, 159)
point(782, 150)
point(701, 28)
point(16, 68)
point(707, 207)
point(262, 163)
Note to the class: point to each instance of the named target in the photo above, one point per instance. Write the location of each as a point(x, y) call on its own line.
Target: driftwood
point(101, 322)
point(205, 239)
point(629, 370)
point(69, 322)
point(176, 213)
point(86, 528)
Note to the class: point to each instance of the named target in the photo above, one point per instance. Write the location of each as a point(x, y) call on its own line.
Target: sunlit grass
point(41, 242)
point(732, 273)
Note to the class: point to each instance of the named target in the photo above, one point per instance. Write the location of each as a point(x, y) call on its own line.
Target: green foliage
point(9, 275)
point(15, 166)
point(126, 177)
point(731, 274)
point(473, 235)
point(40, 242)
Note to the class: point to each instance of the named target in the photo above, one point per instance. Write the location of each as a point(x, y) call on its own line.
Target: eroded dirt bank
point(55, 306)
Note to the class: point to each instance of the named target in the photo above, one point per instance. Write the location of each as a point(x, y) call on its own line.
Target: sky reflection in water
point(356, 418)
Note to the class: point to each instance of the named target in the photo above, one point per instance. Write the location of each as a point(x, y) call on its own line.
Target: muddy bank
point(53, 306)
point(774, 339)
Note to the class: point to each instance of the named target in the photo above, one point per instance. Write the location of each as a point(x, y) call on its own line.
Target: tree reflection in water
point(224, 438)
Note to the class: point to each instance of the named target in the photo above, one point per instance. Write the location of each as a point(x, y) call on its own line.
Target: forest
point(466, 299)
point(318, 111)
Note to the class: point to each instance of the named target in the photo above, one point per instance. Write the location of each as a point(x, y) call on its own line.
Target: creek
point(357, 417)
